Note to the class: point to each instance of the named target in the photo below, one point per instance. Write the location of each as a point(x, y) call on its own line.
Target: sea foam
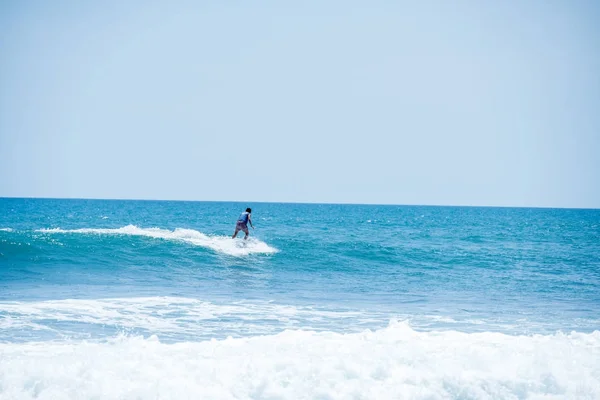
point(394, 362)
point(172, 318)
point(221, 244)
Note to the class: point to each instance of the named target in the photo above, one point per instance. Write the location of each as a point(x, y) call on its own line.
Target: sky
point(490, 103)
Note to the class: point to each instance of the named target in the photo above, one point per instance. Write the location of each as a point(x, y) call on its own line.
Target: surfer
point(242, 223)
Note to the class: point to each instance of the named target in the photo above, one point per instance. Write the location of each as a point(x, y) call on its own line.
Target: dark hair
point(248, 210)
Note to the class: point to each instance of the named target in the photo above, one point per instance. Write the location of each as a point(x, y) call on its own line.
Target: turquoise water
point(324, 301)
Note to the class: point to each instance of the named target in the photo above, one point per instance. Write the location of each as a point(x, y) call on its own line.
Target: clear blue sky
point(432, 102)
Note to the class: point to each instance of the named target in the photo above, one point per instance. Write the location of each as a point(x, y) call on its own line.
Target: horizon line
point(296, 202)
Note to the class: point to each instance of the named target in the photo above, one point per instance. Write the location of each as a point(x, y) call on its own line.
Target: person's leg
point(237, 229)
point(246, 232)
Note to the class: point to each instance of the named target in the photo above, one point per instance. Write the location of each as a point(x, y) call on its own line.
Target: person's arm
point(250, 220)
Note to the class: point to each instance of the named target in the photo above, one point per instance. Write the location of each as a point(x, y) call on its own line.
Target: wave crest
point(221, 244)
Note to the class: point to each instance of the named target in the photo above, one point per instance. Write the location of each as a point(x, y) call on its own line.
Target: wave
point(180, 318)
point(393, 362)
point(174, 318)
point(6, 230)
point(221, 244)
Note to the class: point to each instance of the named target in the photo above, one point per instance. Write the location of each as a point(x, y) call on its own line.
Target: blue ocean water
point(153, 299)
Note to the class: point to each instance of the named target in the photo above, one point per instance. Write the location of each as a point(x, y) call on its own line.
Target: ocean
point(110, 299)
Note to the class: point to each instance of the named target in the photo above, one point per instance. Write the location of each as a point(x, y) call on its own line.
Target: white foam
point(222, 244)
point(174, 317)
point(180, 318)
point(6, 230)
point(394, 362)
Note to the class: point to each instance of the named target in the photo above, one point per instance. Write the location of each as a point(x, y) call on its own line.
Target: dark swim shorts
point(240, 226)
